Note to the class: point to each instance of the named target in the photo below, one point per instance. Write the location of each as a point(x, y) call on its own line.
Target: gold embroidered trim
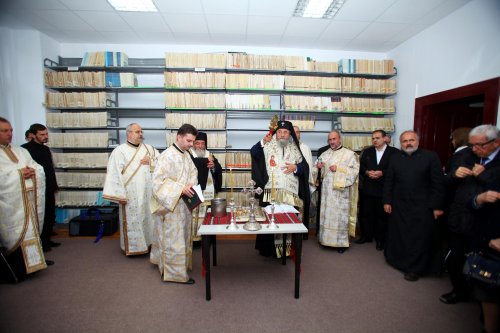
point(131, 160)
point(140, 165)
point(10, 154)
point(125, 229)
point(113, 198)
point(137, 253)
point(26, 214)
point(33, 268)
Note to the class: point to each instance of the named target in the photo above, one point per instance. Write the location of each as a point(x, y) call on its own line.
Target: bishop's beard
point(283, 142)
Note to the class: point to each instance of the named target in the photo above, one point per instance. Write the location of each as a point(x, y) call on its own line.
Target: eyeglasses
point(482, 145)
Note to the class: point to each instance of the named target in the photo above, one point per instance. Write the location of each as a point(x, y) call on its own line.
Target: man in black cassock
point(42, 155)
point(209, 178)
point(414, 197)
point(282, 147)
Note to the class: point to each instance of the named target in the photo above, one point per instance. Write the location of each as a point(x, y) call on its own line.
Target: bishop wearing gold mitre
point(279, 167)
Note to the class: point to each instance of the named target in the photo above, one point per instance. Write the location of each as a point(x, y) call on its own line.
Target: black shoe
point(410, 276)
point(379, 246)
point(196, 244)
point(49, 262)
point(362, 240)
point(54, 244)
point(453, 298)
point(341, 250)
point(46, 248)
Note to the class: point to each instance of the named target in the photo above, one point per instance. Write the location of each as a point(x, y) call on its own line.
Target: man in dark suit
point(42, 155)
point(373, 165)
point(455, 245)
point(476, 169)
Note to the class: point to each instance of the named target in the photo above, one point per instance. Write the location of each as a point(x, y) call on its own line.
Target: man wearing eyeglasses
point(475, 174)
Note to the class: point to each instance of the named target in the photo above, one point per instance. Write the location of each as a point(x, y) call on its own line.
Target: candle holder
point(271, 224)
point(252, 224)
point(232, 225)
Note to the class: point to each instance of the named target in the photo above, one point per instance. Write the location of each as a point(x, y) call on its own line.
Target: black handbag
point(484, 268)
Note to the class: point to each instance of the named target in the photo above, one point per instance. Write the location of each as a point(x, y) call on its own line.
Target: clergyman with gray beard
point(413, 197)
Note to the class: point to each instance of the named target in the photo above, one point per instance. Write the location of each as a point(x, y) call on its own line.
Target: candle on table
point(231, 181)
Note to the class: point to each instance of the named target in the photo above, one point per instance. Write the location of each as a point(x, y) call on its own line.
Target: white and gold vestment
point(339, 197)
point(286, 186)
point(22, 203)
point(128, 180)
point(172, 245)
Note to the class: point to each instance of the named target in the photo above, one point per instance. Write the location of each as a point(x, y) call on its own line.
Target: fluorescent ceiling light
point(133, 5)
point(318, 8)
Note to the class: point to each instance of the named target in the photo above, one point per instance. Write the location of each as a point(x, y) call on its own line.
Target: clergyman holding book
point(174, 177)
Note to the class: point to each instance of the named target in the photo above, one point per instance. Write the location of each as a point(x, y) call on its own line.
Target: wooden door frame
point(489, 88)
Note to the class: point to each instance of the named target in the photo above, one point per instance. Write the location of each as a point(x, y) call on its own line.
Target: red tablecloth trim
point(280, 218)
point(218, 220)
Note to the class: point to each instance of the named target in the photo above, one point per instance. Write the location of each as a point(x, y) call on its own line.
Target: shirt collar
point(492, 156)
point(460, 148)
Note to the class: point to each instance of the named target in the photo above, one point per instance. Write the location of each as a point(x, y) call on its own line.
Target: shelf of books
point(231, 96)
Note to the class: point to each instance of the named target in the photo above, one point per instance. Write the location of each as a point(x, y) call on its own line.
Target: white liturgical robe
point(338, 197)
point(172, 245)
point(22, 203)
point(130, 181)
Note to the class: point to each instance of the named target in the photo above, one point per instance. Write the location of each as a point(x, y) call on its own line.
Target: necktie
point(484, 160)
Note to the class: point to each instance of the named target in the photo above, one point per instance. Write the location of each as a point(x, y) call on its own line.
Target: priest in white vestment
point(21, 205)
point(129, 183)
point(174, 176)
point(339, 169)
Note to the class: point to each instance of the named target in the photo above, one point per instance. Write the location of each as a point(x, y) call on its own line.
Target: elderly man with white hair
point(129, 183)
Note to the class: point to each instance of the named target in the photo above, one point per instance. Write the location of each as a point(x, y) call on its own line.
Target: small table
point(209, 232)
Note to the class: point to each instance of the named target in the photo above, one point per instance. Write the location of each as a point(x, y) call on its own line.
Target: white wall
point(158, 51)
point(461, 49)
point(21, 78)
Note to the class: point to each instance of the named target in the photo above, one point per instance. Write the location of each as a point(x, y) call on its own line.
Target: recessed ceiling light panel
point(133, 5)
point(325, 9)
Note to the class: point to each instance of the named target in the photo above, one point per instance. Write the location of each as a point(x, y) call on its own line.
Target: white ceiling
point(361, 25)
